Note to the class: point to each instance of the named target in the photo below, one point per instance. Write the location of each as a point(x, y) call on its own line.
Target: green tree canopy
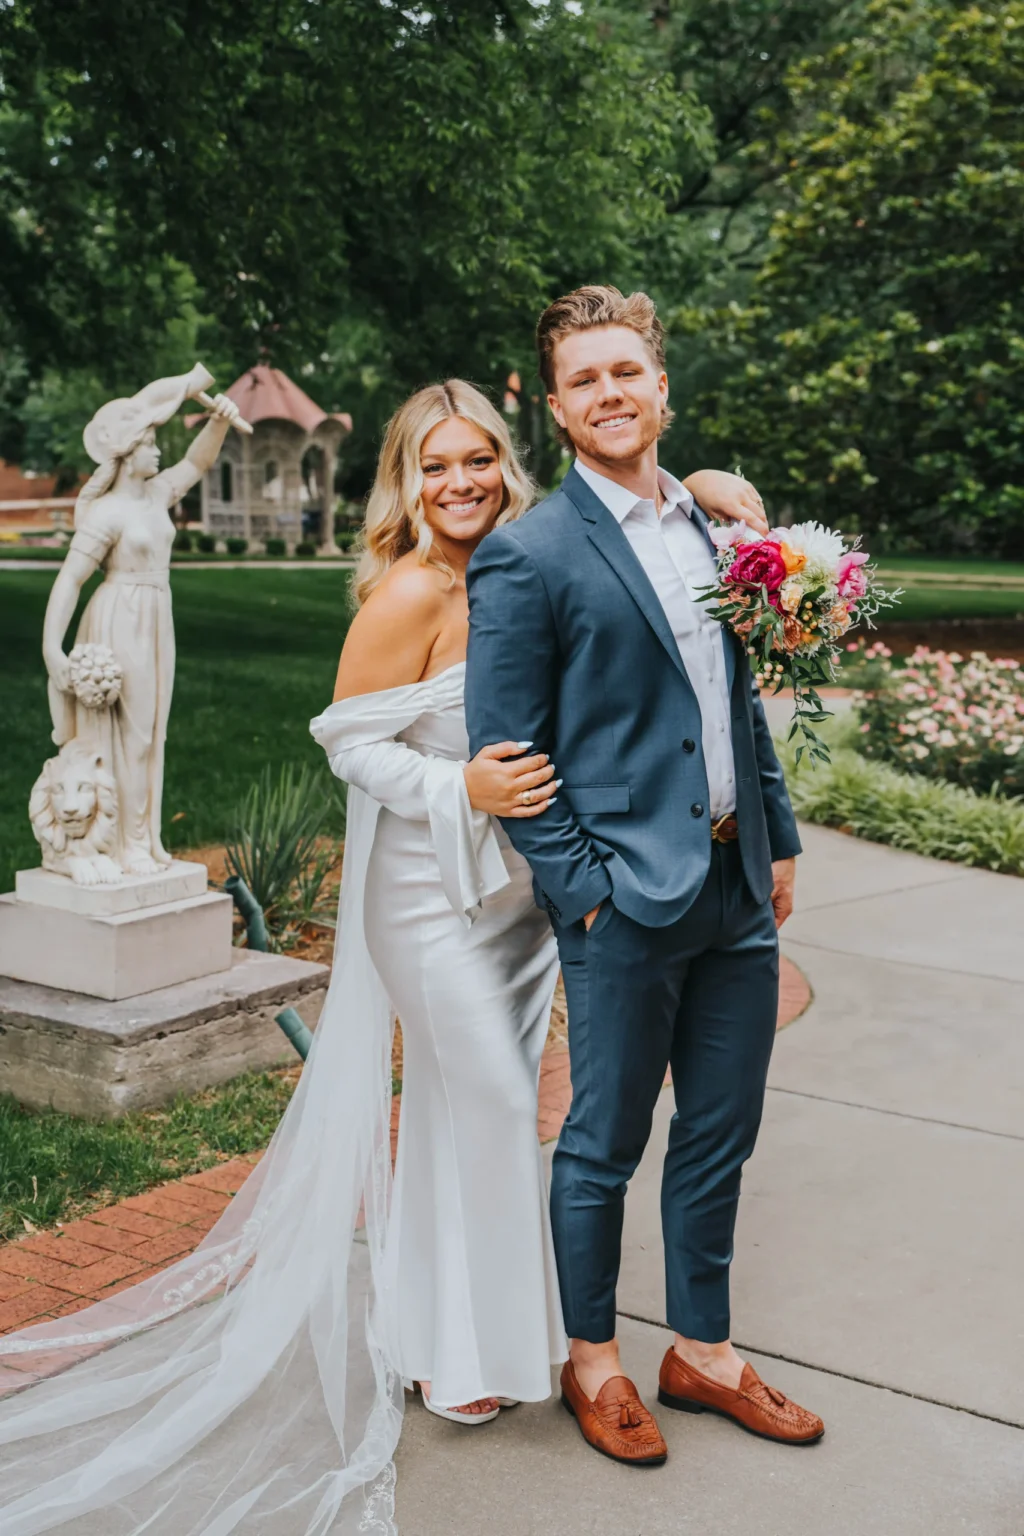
point(875, 377)
point(357, 188)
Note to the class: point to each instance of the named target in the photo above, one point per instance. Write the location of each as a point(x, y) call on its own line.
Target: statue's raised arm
point(110, 698)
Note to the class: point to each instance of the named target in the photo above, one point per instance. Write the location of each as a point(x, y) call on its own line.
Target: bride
point(256, 1385)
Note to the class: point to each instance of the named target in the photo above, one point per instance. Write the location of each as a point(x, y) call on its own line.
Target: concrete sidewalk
point(879, 1253)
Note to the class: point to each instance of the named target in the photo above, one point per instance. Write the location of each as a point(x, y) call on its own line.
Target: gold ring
point(527, 797)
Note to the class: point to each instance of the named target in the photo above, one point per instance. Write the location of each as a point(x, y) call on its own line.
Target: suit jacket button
point(696, 809)
point(689, 746)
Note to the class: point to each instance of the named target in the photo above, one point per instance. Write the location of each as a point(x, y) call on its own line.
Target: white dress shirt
point(677, 560)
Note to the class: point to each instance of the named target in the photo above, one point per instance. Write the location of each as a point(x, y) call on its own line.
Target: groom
point(666, 862)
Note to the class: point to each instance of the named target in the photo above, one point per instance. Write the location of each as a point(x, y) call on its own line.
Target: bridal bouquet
point(791, 596)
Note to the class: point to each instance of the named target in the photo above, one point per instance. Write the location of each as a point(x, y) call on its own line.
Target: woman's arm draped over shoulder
point(391, 637)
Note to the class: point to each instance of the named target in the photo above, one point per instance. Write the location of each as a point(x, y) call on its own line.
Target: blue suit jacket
point(570, 648)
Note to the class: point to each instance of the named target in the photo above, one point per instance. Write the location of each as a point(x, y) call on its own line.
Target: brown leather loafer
point(756, 1407)
point(616, 1423)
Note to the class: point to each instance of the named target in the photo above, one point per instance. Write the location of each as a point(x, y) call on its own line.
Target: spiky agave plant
point(274, 837)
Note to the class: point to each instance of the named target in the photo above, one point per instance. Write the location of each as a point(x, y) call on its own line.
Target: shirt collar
point(620, 501)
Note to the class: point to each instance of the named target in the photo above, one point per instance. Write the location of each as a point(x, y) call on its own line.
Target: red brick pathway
point(51, 1274)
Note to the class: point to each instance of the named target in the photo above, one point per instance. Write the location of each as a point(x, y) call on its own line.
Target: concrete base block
point(115, 955)
point(85, 1056)
point(180, 880)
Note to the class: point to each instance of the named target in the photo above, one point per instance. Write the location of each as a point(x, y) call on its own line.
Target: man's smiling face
point(609, 394)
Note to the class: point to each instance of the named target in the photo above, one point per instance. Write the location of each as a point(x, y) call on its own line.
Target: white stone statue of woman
point(122, 525)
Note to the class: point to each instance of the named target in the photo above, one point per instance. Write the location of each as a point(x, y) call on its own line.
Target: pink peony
point(850, 579)
point(724, 537)
point(757, 565)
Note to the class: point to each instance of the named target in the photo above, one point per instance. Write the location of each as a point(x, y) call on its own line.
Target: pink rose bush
point(946, 716)
point(790, 597)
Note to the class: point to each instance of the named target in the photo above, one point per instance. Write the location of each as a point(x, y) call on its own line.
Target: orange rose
point(792, 632)
point(794, 559)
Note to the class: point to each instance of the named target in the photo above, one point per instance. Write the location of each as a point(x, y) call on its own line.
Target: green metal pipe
point(251, 912)
point(257, 937)
point(298, 1034)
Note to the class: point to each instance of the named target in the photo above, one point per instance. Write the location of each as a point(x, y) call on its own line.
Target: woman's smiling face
point(463, 488)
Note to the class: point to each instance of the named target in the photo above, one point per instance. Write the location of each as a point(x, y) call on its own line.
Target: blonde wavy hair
point(395, 517)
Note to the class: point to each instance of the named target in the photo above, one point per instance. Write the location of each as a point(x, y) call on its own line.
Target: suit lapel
point(612, 543)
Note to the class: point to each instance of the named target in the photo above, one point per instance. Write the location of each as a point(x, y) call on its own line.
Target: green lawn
point(56, 1167)
point(956, 603)
point(927, 564)
point(257, 653)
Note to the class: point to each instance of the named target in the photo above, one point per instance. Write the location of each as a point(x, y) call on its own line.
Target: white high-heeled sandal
point(454, 1415)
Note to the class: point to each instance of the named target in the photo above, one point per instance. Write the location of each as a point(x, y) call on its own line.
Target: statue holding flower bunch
point(111, 695)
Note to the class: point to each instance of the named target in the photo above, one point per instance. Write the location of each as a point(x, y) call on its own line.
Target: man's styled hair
point(588, 308)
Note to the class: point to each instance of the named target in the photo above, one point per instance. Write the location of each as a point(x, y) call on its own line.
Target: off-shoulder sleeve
point(417, 787)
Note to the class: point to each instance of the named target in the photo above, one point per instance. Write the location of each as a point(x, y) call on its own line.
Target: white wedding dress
point(469, 1264)
point(255, 1386)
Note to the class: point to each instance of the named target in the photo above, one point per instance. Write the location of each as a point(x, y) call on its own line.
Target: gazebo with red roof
point(267, 485)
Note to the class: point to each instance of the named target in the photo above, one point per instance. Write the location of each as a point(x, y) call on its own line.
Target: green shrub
point(346, 539)
point(276, 547)
point(236, 546)
point(880, 803)
point(206, 543)
point(350, 520)
point(183, 541)
point(304, 548)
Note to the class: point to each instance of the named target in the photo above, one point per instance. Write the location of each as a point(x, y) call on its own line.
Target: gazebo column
point(248, 488)
point(329, 463)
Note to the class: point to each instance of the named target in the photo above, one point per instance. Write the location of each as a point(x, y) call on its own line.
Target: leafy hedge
point(877, 802)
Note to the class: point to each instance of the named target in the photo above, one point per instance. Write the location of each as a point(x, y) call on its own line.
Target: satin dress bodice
point(441, 731)
point(469, 963)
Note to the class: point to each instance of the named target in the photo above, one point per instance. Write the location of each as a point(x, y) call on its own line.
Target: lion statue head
point(73, 811)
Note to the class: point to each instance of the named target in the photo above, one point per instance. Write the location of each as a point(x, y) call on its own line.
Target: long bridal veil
point(246, 1388)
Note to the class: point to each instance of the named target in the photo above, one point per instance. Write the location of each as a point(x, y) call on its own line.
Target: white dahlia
point(823, 548)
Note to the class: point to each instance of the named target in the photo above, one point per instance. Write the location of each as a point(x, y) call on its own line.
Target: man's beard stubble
point(593, 446)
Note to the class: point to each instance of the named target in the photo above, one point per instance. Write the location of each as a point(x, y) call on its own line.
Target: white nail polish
point(522, 745)
point(559, 783)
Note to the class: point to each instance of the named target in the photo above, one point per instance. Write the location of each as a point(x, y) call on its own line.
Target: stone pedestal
point(87, 1056)
point(118, 941)
point(178, 882)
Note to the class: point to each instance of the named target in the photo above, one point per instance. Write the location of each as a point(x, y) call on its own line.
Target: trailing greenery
point(874, 801)
point(56, 1167)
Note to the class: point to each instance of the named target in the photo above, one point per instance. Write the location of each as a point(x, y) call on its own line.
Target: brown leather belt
point(726, 829)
